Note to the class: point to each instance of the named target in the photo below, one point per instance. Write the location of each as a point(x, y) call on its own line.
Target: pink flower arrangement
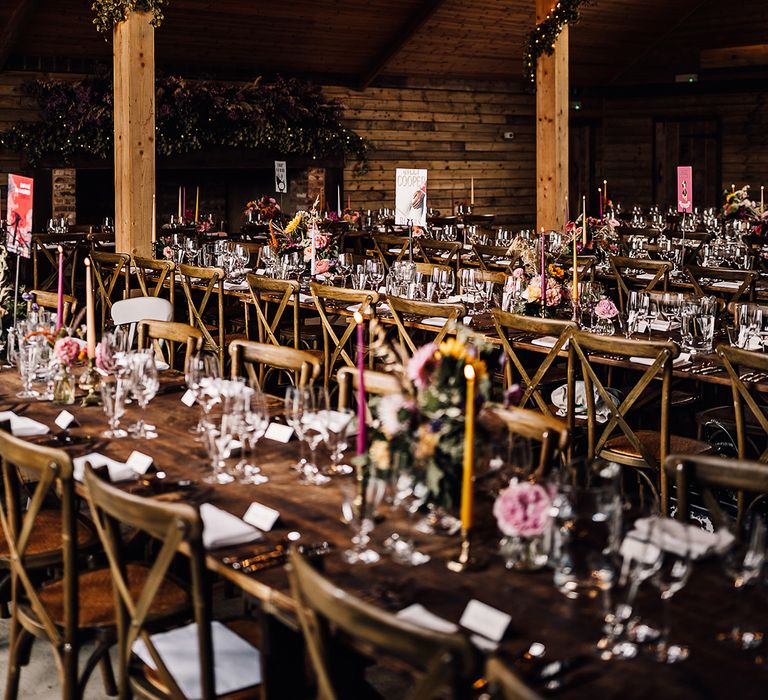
point(554, 294)
point(523, 510)
point(168, 252)
point(518, 273)
point(66, 351)
point(105, 359)
point(322, 266)
point(421, 365)
point(606, 309)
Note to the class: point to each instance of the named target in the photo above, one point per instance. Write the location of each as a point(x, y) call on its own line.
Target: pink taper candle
point(361, 437)
point(60, 302)
point(543, 269)
point(90, 318)
point(600, 202)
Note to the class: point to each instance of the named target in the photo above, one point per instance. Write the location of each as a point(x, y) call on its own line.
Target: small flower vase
point(604, 326)
point(64, 386)
point(524, 553)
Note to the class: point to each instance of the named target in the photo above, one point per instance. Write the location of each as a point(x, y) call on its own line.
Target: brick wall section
point(64, 197)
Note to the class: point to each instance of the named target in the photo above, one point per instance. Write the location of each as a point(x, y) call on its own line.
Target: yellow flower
point(453, 347)
point(556, 270)
point(379, 452)
point(426, 443)
point(293, 223)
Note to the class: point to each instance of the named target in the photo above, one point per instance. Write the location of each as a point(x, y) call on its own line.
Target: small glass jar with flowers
point(606, 314)
point(67, 351)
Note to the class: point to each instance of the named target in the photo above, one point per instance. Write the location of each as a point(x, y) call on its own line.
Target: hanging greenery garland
point(110, 12)
point(282, 116)
point(541, 40)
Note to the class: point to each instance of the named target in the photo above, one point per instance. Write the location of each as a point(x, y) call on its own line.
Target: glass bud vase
point(603, 326)
point(524, 553)
point(64, 386)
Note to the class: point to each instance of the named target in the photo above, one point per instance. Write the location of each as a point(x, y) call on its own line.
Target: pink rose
point(422, 364)
point(66, 351)
point(321, 241)
point(104, 358)
point(168, 252)
point(554, 294)
point(523, 509)
point(518, 273)
point(322, 266)
point(605, 308)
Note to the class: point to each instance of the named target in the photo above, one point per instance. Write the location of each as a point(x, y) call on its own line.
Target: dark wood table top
point(539, 612)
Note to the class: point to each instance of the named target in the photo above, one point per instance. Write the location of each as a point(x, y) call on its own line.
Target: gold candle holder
point(466, 561)
point(90, 381)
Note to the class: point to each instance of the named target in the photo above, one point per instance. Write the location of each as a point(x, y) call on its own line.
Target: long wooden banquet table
point(539, 613)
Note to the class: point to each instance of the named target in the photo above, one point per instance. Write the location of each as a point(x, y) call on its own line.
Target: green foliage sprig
point(285, 116)
point(541, 40)
point(110, 12)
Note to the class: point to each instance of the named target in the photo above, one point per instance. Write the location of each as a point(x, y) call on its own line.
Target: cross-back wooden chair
point(254, 250)
point(38, 538)
point(504, 684)
point(153, 276)
point(336, 337)
point(585, 265)
point(50, 300)
point(618, 440)
point(444, 662)
point(747, 408)
point(44, 248)
point(272, 299)
point(509, 326)
point(109, 269)
point(211, 283)
point(748, 479)
point(100, 241)
point(151, 333)
point(376, 384)
point(551, 434)
point(745, 279)
point(247, 355)
point(428, 268)
point(437, 252)
point(626, 282)
point(408, 311)
point(171, 525)
point(492, 257)
point(383, 243)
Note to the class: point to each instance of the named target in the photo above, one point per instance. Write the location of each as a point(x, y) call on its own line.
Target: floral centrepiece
point(263, 209)
point(296, 237)
point(523, 509)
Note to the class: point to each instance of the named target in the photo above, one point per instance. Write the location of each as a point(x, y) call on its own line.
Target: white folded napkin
point(673, 536)
point(503, 261)
point(161, 366)
point(21, 426)
point(547, 341)
point(645, 276)
point(453, 299)
point(222, 529)
point(726, 285)
point(304, 298)
point(353, 307)
point(437, 321)
point(238, 286)
point(118, 471)
point(237, 664)
point(660, 324)
point(418, 615)
point(682, 359)
point(394, 251)
point(560, 400)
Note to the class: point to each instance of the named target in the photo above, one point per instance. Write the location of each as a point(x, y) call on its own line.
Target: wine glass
point(410, 495)
point(359, 277)
point(375, 270)
point(344, 265)
point(296, 399)
point(314, 420)
point(200, 371)
point(341, 424)
point(144, 384)
point(361, 498)
point(671, 575)
point(27, 357)
point(254, 423)
point(446, 283)
point(218, 439)
point(113, 395)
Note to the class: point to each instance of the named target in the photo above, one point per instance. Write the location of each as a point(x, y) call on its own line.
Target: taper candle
point(600, 203)
point(60, 300)
point(605, 192)
point(543, 285)
point(154, 219)
point(184, 204)
point(90, 318)
point(584, 221)
point(575, 289)
point(361, 437)
point(179, 203)
point(197, 202)
point(338, 200)
point(467, 472)
point(762, 199)
point(472, 191)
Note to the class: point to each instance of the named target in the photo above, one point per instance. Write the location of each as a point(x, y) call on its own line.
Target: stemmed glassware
point(113, 396)
point(314, 429)
point(144, 384)
point(359, 510)
point(375, 271)
point(410, 494)
point(636, 311)
point(201, 370)
point(359, 277)
point(218, 441)
point(190, 250)
point(27, 354)
point(297, 400)
point(341, 424)
point(344, 266)
point(254, 421)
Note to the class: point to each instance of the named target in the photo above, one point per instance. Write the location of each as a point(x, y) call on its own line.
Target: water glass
point(218, 440)
point(698, 320)
point(27, 359)
point(341, 426)
point(113, 396)
point(144, 385)
point(358, 508)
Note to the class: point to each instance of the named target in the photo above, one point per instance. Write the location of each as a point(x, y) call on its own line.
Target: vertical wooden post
point(134, 116)
point(552, 110)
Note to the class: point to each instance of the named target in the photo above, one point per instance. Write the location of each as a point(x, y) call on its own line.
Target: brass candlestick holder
point(466, 561)
point(90, 381)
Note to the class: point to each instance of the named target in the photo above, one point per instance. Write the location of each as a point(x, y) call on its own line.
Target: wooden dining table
point(568, 629)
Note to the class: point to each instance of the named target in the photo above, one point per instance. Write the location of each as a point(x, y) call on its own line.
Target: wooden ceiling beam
point(735, 57)
point(13, 28)
point(416, 21)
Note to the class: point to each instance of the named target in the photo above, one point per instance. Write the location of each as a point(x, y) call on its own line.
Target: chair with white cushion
point(128, 312)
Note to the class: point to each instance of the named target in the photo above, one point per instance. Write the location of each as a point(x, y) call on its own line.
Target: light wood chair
point(383, 244)
point(449, 316)
point(45, 253)
point(748, 479)
point(626, 282)
point(745, 279)
point(438, 252)
point(337, 337)
point(151, 333)
point(640, 449)
point(109, 269)
point(443, 662)
point(54, 612)
point(50, 300)
point(376, 384)
point(172, 526)
point(504, 684)
point(275, 298)
point(551, 434)
point(153, 276)
point(246, 354)
point(211, 283)
point(488, 256)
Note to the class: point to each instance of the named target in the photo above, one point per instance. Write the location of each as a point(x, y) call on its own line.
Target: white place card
point(279, 432)
point(418, 615)
point(188, 399)
point(260, 516)
point(485, 620)
point(65, 419)
point(139, 462)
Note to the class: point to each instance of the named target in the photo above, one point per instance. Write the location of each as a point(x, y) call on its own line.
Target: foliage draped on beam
point(541, 40)
point(283, 116)
point(110, 12)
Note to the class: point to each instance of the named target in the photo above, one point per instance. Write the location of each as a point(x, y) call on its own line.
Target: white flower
point(389, 409)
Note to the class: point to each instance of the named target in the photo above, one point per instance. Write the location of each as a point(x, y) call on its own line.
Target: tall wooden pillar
point(551, 129)
point(134, 110)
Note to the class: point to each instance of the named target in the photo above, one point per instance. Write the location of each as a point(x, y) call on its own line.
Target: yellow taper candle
point(762, 199)
point(90, 318)
point(605, 193)
point(197, 202)
point(467, 474)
